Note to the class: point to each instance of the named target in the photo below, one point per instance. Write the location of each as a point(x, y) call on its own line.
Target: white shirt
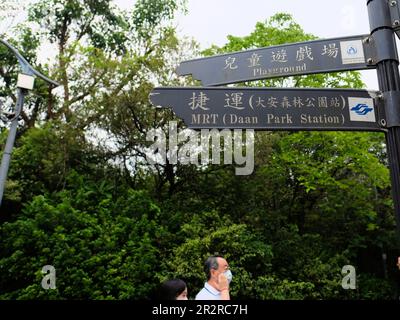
point(208, 293)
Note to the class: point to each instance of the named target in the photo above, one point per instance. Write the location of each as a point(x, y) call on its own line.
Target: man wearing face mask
point(218, 279)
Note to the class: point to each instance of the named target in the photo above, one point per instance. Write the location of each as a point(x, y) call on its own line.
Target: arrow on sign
point(272, 108)
point(330, 55)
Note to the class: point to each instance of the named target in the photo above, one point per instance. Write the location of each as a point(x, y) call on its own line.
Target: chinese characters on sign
point(280, 61)
point(272, 109)
point(235, 101)
point(280, 56)
point(276, 109)
point(198, 101)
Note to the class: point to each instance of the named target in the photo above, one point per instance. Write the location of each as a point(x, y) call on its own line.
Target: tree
point(95, 45)
point(102, 56)
point(98, 250)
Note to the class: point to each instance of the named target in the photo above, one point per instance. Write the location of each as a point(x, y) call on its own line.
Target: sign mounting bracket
point(380, 47)
point(391, 101)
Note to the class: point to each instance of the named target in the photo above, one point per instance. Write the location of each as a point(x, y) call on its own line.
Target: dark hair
point(211, 263)
point(170, 289)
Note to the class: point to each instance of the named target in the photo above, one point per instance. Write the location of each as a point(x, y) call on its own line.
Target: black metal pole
point(389, 81)
point(389, 70)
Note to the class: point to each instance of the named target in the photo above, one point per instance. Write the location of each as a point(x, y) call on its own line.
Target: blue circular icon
point(351, 50)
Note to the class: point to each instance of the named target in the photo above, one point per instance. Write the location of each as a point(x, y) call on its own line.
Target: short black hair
point(171, 289)
point(211, 263)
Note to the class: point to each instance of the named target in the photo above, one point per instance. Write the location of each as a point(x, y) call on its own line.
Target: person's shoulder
point(200, 294)
point(206, 294)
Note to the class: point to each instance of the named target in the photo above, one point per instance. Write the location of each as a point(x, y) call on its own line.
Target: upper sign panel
point(330, 55)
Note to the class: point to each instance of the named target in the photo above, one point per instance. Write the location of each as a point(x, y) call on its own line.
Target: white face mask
point(228, 275)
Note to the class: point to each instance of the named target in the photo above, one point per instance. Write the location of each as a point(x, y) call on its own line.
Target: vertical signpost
point(301, 109)
point(383, 16)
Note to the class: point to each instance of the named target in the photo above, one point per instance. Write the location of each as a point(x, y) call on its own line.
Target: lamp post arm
point(26, 67)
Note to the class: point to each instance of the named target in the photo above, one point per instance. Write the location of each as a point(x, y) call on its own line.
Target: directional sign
point(272, 109)
point(338, 54)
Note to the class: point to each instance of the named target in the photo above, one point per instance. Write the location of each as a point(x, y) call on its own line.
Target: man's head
point(214, 266)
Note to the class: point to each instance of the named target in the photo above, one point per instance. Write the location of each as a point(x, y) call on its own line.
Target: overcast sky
point(209, 21)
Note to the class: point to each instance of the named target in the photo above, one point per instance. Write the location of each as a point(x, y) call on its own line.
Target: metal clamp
point(380, 46)
point(380, 109)
point(391, 106)
point(395, 16)
point(384, 14)
point(380, 14)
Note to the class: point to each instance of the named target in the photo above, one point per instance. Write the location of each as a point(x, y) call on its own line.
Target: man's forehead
point(222, 262)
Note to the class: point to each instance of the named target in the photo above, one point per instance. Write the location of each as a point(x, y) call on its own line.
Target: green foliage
point(373, 288)
point(100, 253)
point(44, 158)
point(150, 13)
point(210, 233)
point(115, 227)
point(97, 20)
point(332, 183)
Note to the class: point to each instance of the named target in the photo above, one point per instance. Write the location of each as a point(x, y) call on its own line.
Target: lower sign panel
point(271, 109)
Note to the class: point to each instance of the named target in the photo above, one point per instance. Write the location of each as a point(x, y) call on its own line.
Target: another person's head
point(214, 266)
point(174, 289)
